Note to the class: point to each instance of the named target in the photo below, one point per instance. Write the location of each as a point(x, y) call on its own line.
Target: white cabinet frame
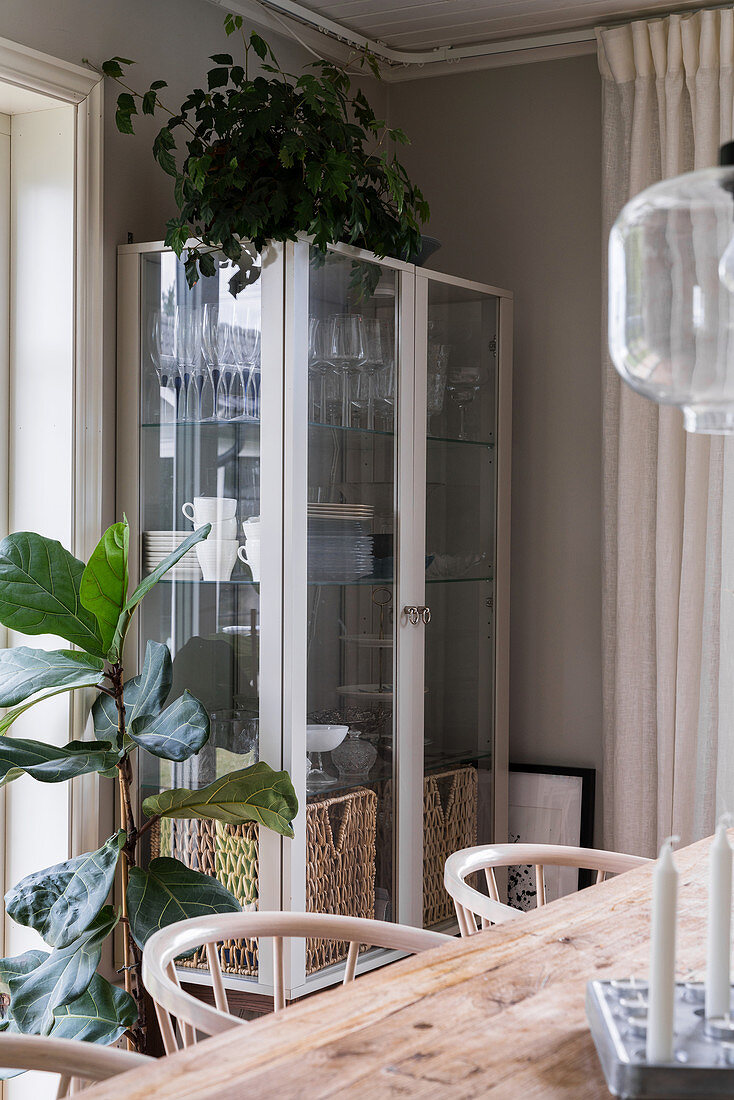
point(283, 590)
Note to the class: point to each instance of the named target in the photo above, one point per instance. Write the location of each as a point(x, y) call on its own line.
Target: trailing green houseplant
point(271, 155)
point(46, 590)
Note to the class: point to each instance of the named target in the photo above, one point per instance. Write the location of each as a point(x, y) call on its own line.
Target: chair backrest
point(159, 974)
point(73, 1060)
point(471, 905)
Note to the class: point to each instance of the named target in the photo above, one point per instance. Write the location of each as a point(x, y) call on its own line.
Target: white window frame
point(82, 89)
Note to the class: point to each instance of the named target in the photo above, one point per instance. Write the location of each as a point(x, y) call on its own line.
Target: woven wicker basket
point(340, 869)
point(449, 823)
point(340, 866)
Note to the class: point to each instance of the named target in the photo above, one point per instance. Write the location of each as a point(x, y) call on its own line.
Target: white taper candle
point(718, 939)
point(661, 986)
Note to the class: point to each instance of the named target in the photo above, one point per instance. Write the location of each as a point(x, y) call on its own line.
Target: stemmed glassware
point(319, 367)
point(246, 341)
point(189, 367)
point(218, 354)
point(385, 388)
point(161, 349)
point(215, 337)
point(347, 353)
point(376, 351)
point(438, 359)
point(463, 383)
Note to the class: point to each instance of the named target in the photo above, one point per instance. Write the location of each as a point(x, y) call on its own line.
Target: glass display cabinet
point(344, 424)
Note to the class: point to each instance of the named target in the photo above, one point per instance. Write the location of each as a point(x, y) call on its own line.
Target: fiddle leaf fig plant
point(263, 156)
point(46, 590)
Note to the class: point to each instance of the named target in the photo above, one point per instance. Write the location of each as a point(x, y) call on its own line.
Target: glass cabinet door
point(460, 502)
point(337, 424)
point(353, 336)
point(200, 463)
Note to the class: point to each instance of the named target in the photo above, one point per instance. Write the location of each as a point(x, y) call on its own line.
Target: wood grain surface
point(500, 1014)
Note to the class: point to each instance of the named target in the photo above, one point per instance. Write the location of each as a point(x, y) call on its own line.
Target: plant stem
point(131, 951)
point(147, 824)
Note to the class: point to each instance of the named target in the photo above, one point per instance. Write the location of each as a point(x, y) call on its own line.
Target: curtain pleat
point(668, 103)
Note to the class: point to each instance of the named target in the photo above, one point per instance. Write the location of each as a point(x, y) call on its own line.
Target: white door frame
point(82, 89)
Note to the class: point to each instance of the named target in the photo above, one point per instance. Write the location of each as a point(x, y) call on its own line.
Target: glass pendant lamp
point(671, 295)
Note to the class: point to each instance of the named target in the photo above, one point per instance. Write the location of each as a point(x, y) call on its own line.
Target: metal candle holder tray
point(704, 1052)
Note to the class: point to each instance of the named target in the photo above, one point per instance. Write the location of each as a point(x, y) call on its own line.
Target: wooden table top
point(501, 1013)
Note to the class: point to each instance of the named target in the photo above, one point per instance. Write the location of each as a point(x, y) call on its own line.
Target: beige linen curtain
point(668, 100)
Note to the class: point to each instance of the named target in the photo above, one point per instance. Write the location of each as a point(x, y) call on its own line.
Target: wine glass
point(188, 361)
point(250, 356)
point(385, 387)
point(246, 343)
point(160, 348)
point(462, 385)
point(217, 345)
point(438, 359)
point(376, 349)
point(319, 345)
point(347, 352)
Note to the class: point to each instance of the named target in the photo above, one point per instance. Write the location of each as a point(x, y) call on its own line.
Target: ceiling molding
point(328, 39)
point(524, 53)
point(40, 73)
point(323, 36)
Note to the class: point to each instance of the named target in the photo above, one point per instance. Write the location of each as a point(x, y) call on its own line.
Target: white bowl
point(324, 738)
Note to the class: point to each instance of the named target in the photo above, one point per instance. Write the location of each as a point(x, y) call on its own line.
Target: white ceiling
point(425, 24)
point(20, 101)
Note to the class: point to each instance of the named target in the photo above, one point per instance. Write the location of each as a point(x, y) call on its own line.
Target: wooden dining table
point(499, 1014)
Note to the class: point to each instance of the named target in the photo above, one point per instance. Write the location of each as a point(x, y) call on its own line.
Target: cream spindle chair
point(77, 1063)
point(471, 905)
point(163, 947)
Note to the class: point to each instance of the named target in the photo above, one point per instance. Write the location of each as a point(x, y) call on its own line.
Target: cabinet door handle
point(418, 614)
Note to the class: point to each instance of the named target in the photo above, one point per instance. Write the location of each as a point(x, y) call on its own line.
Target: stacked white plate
point(157, 545)
point(339, 552)
point(341, 511)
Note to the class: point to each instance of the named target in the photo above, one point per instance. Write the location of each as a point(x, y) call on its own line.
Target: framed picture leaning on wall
point(549, 805)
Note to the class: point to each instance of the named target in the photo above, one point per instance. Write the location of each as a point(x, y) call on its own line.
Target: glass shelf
point(364, 581)
point(458, 580)
point(383, 770)
point(441, 759)
point(210, 425)
point(468, 442)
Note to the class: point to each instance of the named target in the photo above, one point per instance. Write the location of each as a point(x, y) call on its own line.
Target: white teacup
point(217, 558)
point(250, 555)
point(214, 510)
point(224, 531)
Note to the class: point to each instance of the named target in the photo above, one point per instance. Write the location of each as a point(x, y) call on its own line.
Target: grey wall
point(510, 161)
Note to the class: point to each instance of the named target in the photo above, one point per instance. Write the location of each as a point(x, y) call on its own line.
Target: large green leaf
point(25, 671)
point(53, 763)
point(151, 580)
point(168, 892)
point(143, 694)
point(60, 978)
point(11, 967)
point(101, 1015)
point(253, 794)
point(175, 734)
point(39, 591)
point(19, 964)
point(63, 900)
point(103, 588)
